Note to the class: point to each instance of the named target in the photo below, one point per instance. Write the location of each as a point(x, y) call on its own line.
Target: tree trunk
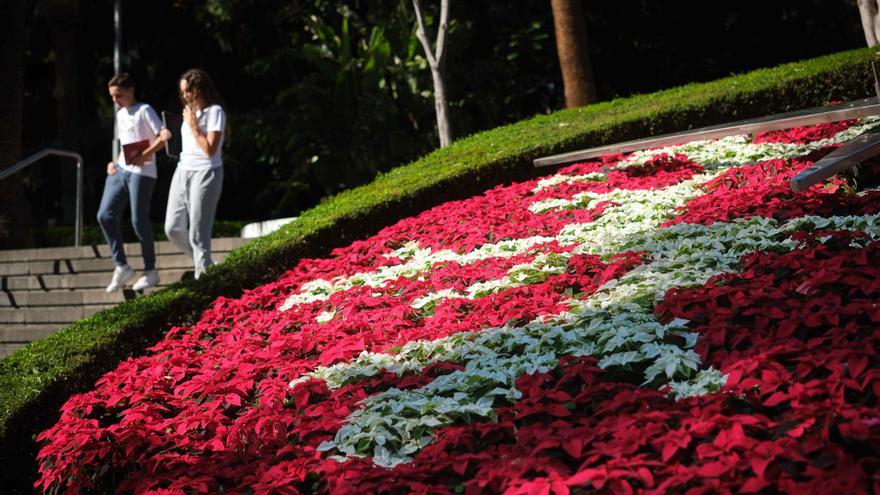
point(64, 22)
point(869, 11)
point(14, 208)
point(441, 107)
point(437, 62)
point(571, 47)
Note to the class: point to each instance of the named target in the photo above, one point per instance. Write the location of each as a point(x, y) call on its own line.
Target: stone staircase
point(44, 290)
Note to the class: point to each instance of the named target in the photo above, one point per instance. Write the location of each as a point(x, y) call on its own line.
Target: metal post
point(117, 29)
point(77, 232)
point(117, 49)
point(876, 81)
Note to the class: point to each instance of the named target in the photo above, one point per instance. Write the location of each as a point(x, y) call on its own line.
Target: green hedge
point(37, 379)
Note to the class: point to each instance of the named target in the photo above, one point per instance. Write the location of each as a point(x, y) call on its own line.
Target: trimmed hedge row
point(36, 380)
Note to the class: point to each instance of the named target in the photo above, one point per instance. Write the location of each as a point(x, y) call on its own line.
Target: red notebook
point(132, 150)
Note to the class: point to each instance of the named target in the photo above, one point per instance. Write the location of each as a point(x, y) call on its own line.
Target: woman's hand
point(164, 135)
point(111, 168)
point(189, 116)
point(208, 141)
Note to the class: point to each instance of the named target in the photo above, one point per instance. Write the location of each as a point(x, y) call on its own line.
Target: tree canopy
point(325, 95)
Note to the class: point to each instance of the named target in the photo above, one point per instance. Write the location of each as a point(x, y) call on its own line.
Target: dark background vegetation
point(324, 95)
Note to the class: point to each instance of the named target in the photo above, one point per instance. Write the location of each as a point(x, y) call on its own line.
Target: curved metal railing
point(810, 116)
point(77, 236)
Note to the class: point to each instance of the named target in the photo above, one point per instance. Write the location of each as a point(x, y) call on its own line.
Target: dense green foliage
point(323, 95)
point(36, 380)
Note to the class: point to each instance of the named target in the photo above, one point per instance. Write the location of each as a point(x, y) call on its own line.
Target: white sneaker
point(121, 275)
point(150, 279)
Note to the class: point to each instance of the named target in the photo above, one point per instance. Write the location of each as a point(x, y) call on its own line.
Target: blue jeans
point(120, 189)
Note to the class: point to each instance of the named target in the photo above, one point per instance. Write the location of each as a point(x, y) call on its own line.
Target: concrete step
point(97, 273)
point(48, 254)
point(93, 280)
point(44, 290)
point(16, 336)
point(163, 262)
point(68, 297)
point(13, 333)
point(103, 251)
point(63, 314)
point(221, 245)
point(7, 348)
point(59, 267)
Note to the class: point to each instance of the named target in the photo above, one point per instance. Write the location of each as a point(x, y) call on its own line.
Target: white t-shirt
point(137, 123)
point(193, 157)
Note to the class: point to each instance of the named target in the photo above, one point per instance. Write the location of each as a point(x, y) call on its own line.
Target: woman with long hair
point(198, 179)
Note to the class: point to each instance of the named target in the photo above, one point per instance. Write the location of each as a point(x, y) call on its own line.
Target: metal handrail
point(77, 236)
point(856, 151)
point(810, 116)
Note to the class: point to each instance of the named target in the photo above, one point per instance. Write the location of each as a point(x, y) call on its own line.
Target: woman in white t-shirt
point(198, 179)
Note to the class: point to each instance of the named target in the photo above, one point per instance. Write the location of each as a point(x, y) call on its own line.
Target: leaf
point(857, 365)
point(595, 475)
point(713, 469)
point(216, 445)
point(753, 485)
point(759, 465)
point(776, 399)
point(669, 450)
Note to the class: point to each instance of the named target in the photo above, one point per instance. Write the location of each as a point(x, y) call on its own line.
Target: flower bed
point(671, 320)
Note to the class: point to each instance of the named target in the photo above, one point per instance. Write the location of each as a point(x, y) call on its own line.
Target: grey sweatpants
point(189, 219)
